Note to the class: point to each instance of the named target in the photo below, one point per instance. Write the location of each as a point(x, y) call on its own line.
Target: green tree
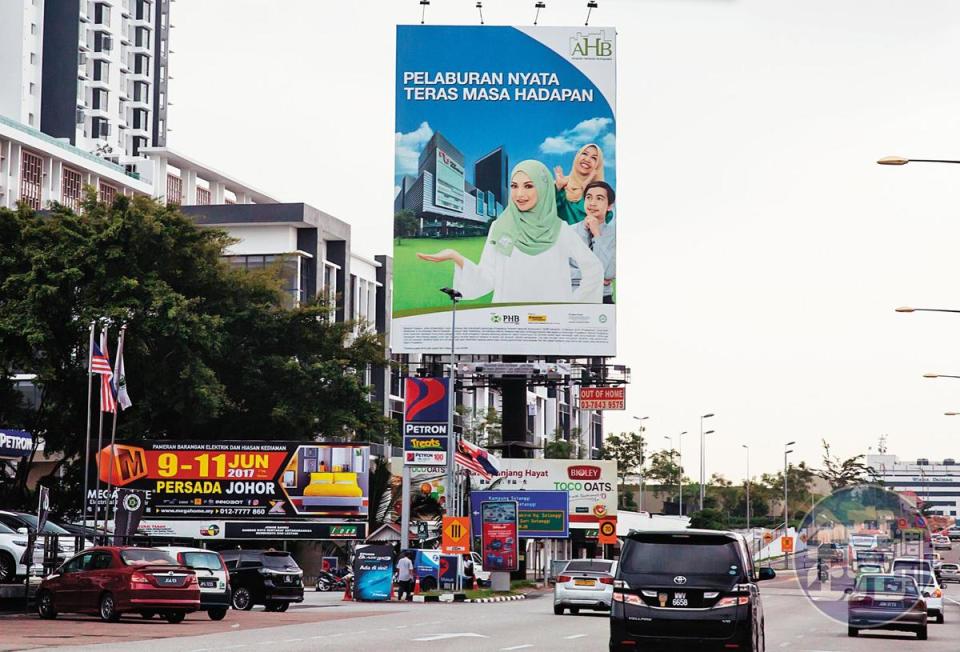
point(405, 224)
point(559, 448)
point(210, 353)
point(628, 449)
point(842, 473)
point(665, 470)
point(708, 519)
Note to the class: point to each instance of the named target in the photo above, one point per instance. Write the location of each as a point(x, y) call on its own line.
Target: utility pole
point(702, 464)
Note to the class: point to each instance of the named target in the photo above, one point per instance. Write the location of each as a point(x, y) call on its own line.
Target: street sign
point(608, 531)
point(456, 535)
point(902, 523)
point(603, 398)
point(786, 544)
point(543, 514)
point(767, 537)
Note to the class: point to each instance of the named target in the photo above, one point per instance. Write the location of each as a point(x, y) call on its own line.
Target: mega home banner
point(505, 190)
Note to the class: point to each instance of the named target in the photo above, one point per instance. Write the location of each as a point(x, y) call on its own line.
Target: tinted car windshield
point(202, 560)
point(279, 560)
point(588, 565)
point(910, 565)
point(682, 556)
point(48, 527)
point(887, 584)
point(139, 556)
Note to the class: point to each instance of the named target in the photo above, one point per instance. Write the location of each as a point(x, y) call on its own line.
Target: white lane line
point(292, 640)
point(570, 638)
point(442, 637)
point(516, 647)
point(402, 626)
point(785, 644)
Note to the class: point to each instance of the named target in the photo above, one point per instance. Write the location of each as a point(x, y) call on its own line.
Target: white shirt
point(404, 569)
point(544, 278)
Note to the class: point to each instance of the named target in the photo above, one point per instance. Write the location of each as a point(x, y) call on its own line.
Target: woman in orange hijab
point(587, 167)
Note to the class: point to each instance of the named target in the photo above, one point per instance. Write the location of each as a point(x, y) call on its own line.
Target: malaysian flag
point(476, 459)
point(100, 364)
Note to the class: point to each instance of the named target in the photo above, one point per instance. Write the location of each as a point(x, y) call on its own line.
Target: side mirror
point(848, 591)
point(22, 530)
point(926, 594)
point(766, 573)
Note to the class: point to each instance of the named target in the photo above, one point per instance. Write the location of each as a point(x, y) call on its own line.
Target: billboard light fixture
point(538, 6)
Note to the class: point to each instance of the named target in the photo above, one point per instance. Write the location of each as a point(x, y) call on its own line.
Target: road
point(325, 622)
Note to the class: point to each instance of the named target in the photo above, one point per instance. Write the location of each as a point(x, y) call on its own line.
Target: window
point(142, 37)
point(107, 193)
point(203, 197)
point(32, 88)
point(101, 14)
point(140, 89)
point(101, 71)
point(100, 127)
point(143, 10)
point(72, 189)
point(174, 190)
point(139, 118)
point(141, 64)
point(139, 142)
point(289, 270)
point(100, 98)
point(33, 28)
point(31, 180)
point(33, 58)
point(102, 42)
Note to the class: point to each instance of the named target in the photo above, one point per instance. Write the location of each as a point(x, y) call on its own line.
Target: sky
point(762, 249)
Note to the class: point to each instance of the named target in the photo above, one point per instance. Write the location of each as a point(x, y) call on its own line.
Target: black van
point(686, 590)
point(267, 577)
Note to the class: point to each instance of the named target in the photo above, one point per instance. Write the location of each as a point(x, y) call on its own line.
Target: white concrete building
point(21, 60)
point(936, 483)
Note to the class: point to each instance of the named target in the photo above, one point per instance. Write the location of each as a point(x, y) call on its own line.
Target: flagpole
point(113, 430)
point(104, 334)
point(86, 448)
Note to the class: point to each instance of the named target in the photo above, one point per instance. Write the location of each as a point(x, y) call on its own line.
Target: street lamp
point(702, 466)
point(748, 483)
point(909, 309)
point(680, 467)
point(641, 420)
point(902, 160)
point(452, 494)
point(931, 375)
point(951, 414)
point(786, 510)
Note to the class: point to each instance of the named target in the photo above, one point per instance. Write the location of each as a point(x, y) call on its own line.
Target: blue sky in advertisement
point(549, 131)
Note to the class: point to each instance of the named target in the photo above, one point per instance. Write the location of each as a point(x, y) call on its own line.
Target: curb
point(501, 598)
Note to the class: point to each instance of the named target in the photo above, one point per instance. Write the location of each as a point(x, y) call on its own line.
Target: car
point(949, 572)
point(954, 533)
point(556, 566)
point(113, 580)
point(268, 577)
point(212, 577)
point(687, 590)
point(831, 552)
point(19, 520)
point(869, 569)
point(886, 601)
point(941, 542)
point(584, 584)
point(13, 544)
point(911, 564)
point(931, 590)
point(482, 576)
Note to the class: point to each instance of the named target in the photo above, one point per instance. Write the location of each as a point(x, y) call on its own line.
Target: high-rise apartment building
point(91, 72)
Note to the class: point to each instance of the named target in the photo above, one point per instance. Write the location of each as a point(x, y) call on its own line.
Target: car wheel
point(45, 606)
point(242, 599)
point(281, 606)
point(217, 614)
point(852, 631)
point(8, 568)
point(558, 610)
point(270, 606)
point(108, 609)
point(174, 617)
point(940, 618)
point(922, 633)
point(574, 610)
point(147, 615)
point(323, 585)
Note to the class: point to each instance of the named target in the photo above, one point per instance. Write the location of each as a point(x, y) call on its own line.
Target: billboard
point(425, 421)
point(499, 536)
point(238, 479)
point(265, 530)
point(500, 134)
point(591, 485)
point(542, 515)
point(373, 572)
point(603, 398)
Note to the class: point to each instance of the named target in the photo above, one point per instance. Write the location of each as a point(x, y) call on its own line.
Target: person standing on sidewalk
point(405, 577)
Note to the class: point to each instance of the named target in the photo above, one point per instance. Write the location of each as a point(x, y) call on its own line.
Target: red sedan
point(114, 580)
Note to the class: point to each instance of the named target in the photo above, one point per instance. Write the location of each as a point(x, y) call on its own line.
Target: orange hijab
point(576, 182)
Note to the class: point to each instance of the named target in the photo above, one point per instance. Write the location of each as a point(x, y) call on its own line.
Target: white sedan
point(584, 584)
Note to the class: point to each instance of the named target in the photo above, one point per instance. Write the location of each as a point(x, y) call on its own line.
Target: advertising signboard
point(449, 568)
point(542, 514)
point(15, 444)
point(603, 398)
point(425, 424)
point(499, 536)
point(238, 479)
point(252, 530)
point(591, 485)
point(495, 162)
point(373, 572)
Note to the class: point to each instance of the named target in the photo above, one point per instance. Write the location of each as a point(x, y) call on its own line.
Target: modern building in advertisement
point(444, 200)
point(935, 482)
point(91, 72)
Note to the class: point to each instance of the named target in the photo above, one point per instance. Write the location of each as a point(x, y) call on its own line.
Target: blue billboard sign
point(425, 416)
point(15, 444)
point(542, 514)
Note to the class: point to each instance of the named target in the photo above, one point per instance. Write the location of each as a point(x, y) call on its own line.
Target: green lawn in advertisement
point(416, 283)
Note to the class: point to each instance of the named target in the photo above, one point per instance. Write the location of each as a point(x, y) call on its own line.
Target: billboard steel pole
point(453, 494)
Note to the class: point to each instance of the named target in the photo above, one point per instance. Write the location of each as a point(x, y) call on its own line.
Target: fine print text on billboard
point(238, 479)
point(505, 190)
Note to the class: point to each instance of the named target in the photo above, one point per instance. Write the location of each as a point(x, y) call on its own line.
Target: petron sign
point(15, 444)
point(260, 480)
point(425, 415)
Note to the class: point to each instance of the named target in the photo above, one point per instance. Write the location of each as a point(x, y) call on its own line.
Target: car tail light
point(732, 601)
point(193, 580)
point(606, 580)
point(563, 579)
point(139, 578)
point(180, 558)
point(938, 593)
point(628, 598)
point(620, 584)
point(861, 600)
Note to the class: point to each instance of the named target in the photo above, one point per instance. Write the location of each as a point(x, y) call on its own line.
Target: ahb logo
point(594, 45)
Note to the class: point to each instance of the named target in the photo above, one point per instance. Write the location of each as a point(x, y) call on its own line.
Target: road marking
point(402, 626)
point(292, 640)
point(516, 647)
point(441, 637)
point(570, 638)
point(785, 644)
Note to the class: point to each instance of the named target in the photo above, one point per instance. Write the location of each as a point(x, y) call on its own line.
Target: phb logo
point(594, 45)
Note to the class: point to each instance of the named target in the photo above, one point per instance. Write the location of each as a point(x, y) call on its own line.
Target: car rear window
point(141, 556)
point(682, 556)
point(202, 560)
point(911, 565)
point(886, 584)
point(589, 566)
point(280, 560)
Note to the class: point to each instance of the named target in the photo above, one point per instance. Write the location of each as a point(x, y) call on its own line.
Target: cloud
point(609, 146)
point(570, 140)
point(408, 146)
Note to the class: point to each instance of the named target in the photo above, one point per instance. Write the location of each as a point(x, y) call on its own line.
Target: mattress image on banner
point(505, 190)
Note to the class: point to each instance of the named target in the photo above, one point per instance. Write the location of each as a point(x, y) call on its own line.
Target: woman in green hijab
point(527, 254)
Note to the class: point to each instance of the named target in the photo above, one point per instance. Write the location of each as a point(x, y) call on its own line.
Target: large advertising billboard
point(238, 479)
point(505, 190)
point(591, 485)
point(425, 421)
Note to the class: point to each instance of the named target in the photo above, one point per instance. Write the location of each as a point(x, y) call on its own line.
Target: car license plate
point(168, 580)
point(208, 583)
point(888, 604)
point(585, 582)
point(680, 599)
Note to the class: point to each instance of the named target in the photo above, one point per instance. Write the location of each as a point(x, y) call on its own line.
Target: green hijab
point(533, 231)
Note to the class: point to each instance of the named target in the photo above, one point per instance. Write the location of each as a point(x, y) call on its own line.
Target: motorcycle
point(327, 581)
